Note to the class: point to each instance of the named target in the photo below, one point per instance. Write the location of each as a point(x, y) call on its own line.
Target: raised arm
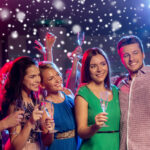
point(46, 51)
point(49, 43)
point(41, 49)
point(73, 79)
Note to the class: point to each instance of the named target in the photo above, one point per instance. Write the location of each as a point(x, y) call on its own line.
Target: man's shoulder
point(146, 68)
point(116, 80)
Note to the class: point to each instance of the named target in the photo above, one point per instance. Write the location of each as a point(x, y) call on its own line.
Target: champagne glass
point(80, 38)
point(50, 114)
point(104, 102)
point(41, 107)
point(80, 41)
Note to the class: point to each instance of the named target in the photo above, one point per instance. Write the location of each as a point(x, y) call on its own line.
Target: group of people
point(40, 112)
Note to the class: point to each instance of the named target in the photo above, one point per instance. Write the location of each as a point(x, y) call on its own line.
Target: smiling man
point(134, 96)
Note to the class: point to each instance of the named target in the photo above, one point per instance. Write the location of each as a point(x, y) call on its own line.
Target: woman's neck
point(98, 88)
point(54, 94)
point(95, 86)
point(55, 97)
point(26, 96)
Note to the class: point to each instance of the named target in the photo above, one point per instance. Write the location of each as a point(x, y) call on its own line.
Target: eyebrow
point(99, 62)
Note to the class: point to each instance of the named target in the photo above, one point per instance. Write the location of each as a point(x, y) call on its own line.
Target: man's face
point(132, 57)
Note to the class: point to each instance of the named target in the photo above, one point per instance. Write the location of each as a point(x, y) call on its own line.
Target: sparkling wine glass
point(104, 102)
point(50, 114)
point(41, 107)
point(80, 41)
point(80, 38)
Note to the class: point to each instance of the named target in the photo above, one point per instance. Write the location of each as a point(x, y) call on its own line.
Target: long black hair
point(14, 82)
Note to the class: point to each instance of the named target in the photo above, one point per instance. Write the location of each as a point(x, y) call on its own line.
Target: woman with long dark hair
point(95, 93)
point(19, 94)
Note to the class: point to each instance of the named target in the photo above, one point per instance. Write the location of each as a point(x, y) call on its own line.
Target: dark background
point(103, 21)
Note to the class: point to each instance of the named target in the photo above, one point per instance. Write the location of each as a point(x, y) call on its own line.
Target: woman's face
point(52, 80)
point(98, 68)
point(32, 78)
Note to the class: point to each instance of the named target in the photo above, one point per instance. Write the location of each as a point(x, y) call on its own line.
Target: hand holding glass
point(50, 113)
point(104, 102)
point(41, 107)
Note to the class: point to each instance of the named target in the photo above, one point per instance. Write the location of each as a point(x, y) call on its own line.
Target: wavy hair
point(14, 82)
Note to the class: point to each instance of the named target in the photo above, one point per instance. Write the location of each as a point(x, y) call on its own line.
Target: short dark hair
point(85, 73)
point(130, 39)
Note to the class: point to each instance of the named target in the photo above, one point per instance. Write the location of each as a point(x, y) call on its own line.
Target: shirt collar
point(144, 69)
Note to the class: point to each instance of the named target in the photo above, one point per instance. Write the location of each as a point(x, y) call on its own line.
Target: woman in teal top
point(95, 73)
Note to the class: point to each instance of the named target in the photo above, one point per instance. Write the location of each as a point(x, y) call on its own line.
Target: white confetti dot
point(23, 50)
point(142, 5)
point(100, 20)
point(7, 60)
point(69, 21)
point(4, 14)
point(11, 47)
point(21, 16)
point(14, 34)
point(65, 51)
point(87, 28)
point(61, 32)
point(27, 35)
point(116, 25)
point(60, 68)
point(67, 34)
point(28, 51)
point(62, 42)
point(91, 20)
point(118, 11)
point(76, 29)
point(37, 55)
point(59, 5)
point(29, 42)
point(58, 46)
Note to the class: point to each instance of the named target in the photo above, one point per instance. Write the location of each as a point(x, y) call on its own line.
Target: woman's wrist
point(95, 127)
point(3, 124)
point(31, 123)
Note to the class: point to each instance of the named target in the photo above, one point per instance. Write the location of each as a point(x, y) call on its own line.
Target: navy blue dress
point(64, 121)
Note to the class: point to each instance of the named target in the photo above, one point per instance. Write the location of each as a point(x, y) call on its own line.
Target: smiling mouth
point(57, 85)
point(100, 75)
point(132, 64)
point(36, 85)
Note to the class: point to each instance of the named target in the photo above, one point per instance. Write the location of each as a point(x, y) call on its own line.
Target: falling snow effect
point(59, 5)
point(20, 16)
point(103, 21)
point(14, 35)
point(4, 14)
